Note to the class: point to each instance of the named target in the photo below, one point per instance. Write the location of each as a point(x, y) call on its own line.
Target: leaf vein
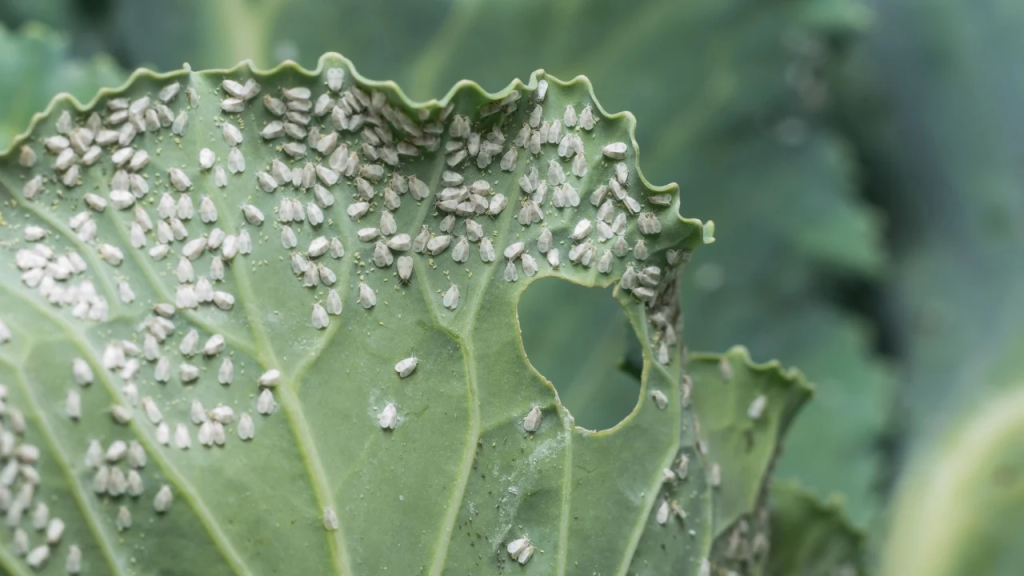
point(63, 463)
point(185, 489)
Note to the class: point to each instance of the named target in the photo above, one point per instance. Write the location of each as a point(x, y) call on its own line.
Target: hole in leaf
point(580, 340)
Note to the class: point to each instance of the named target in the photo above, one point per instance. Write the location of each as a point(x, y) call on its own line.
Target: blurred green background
point(862, 160)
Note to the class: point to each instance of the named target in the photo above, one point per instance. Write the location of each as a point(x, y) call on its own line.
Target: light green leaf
point(811, 537)
point(35, 65)
point(734, 103)
point(458, 478)
point(957, 508)
point(741, 411)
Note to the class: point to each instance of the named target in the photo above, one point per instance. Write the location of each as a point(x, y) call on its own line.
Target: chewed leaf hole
point(579, 339)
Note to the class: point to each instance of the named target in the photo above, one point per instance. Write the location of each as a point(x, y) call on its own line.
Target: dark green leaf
point(811, 537)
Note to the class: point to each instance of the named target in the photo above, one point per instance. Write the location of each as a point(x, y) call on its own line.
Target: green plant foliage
point(811, 537)
point(957, 509)
point(742, 410)
point(35, 65)
point(585, 353)
point(933, 110)
point(152, 285)
point(731, 98)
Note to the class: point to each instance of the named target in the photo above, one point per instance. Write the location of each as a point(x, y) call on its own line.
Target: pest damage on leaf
point(212, 239)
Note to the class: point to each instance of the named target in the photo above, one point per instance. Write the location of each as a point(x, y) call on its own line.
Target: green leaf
point(957, 508)
point(459, 477)
point(716, 85)
point(938, 135)
point(741, 411)
point(811, 537)
point(791, 229)
point(35, 65)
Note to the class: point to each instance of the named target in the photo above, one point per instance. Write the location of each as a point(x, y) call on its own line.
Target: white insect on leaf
point(179, 180)
point(40, 516)
point(511, 273)
point(450, 299)
point(660, 399)
point(73, 563)
point(207, 158)
point(333, 304)
point(222, 414)
point(246, 427)
point(587, 120)
point(163, 500)
point(715, 475)
point(318, 247)
point(152, 411)
point(461, 251)
point(38, 557)
point(405, 267)
point(182, 439)
point(136, 455)
point(400, 242)
point(514, 250)
point(406, 366)
point(54, 531)
point(124, 519)
point(330, 519)
point(319, 318)
point(382, 256)
point(367, 298)
point(252, 214)
point(269, 379)
point(648, 224)
point(582, 230)
point(197, 413)
point(757, 406)
point(531, 423)
point(121, 414)
point(663, 512)
point(265, 404)
point(73, 405)
point(80, 369)
point(335, 79)
point(438, 244)
point(530, 266)
point(388, 417)
point(615, 150)
point(232, 135)
point(569, 118)
point(521, 550)
point(116, 451)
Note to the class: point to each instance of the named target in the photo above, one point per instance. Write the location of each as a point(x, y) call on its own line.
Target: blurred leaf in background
point(811, 537)
point(35, 66)
point(732, 100)
point(584, 352)
point(932, 100)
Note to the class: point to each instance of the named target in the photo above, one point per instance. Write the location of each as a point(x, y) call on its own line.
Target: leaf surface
point(811, 537)
point(458, 477)
point(741, 411)
point(734, 102)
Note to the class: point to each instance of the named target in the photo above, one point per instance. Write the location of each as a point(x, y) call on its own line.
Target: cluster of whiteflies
point(35, 533)
point(345, 148)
